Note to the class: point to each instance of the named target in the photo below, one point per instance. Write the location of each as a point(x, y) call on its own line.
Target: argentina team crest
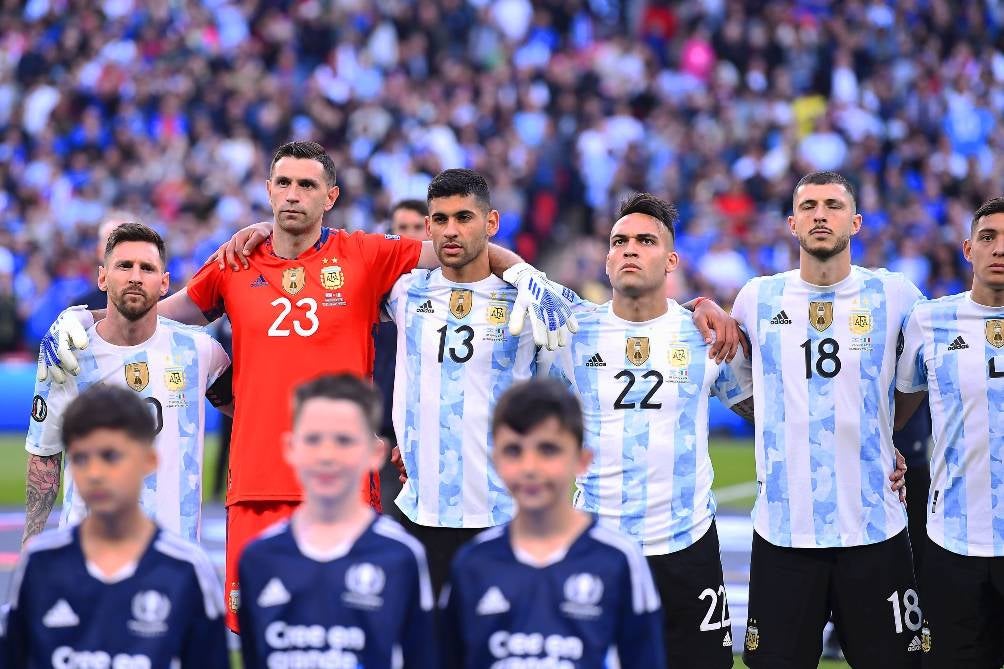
point(637, 350)
point(174, 379)
point(821, 315)
point(461, 301)
point(752, 636)
point(293, 280)
point(861, 322)
point(995, 332)
point(332, 277)
point(137, 375)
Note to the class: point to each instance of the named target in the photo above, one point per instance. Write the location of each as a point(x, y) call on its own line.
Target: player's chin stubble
point(824, 253)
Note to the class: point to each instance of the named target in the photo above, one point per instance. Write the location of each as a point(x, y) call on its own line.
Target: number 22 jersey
point(824, 367)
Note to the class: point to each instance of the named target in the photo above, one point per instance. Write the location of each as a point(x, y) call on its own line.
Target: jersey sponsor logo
point(915, 645)
point(150, 610)
point(293, 279)
point(137, 375)
point(595, 361)
point(65, 657)
point(679, 355)
point(958, 344)
point(365, 582)
point(460, 302)
point(995, 332)
point(392, 237)
point(780, 318)
point(727, 640)
point(273, 594)
point(752, 636)
point(492, 603)
point(555, 647)
point(260, 282)
point(332, 277)
point(313, 645)
point(425, 308)
point(861, 322)
point(174, 379)
point(637, 350)
point(821, 315)
point(39, 409)
point(60, 615)
point(582, 594)
point(498, 313)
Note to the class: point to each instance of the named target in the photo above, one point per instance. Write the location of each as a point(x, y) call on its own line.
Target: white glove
point(548, 304)
point(67, 334)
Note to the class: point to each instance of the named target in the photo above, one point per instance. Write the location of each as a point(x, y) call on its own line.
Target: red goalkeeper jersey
point(294, 320)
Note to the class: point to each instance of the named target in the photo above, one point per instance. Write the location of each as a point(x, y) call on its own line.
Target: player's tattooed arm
point(41, 489)
point(744, 409)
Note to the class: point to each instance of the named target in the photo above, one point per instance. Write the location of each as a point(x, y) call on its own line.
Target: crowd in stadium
point(566, 105)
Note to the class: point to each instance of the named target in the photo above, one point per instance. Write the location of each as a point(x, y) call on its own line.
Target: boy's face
point(331, 448)
point(108, 467)
point(539, 467)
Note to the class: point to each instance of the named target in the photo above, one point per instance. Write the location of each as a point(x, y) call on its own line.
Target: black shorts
point(696, 626)
point(441, 544)
point(869, 590)
point(964, 608)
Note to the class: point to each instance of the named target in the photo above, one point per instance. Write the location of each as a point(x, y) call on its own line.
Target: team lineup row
point(826, 342)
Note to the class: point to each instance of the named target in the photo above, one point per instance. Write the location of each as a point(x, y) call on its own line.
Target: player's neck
point(543, 532)
point(290, 245)
point(111, 541)
point(476, 270)
point(641, 308)
point(323, 525)
point(118, 330)
point(986, 296)
point(824, 272)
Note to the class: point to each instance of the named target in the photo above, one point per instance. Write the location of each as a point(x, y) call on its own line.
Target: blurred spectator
point(171, 111)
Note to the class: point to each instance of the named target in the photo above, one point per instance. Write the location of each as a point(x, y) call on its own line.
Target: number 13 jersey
point(824, 368)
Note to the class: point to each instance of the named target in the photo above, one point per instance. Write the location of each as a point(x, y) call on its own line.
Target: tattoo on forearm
point(744, 408)
point(41, 489)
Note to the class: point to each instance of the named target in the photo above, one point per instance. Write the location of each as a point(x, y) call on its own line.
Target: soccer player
point(553, 588)
point(116, 590)
point(641, 369)
point(829, 534)
point(169, 365)
point(336, 585)
point(954, 350)
point(307, 306)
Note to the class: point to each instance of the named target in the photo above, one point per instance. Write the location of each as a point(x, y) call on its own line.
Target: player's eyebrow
point(811, 202)
point(640, 235)
point(439, 215)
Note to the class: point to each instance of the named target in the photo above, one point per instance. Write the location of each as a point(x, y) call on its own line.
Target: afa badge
point(637, 350)
point(995, 332)
point(821, 315)
point(332, 277)
point(461, 301)
point(293, 280)
point(174, 379)
point(234, 599)
point(925, 638)
point(498, 313)
point(679, 355)
point(137, 375)
point(861, 322)
point(752, 636)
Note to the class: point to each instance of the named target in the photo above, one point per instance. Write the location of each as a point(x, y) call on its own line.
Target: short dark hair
point(461, 182)
point(988, 208)
point(527, 404)
point(136, 232)
point(827, 177)
point(111, 408)
point(306, 151)
point(417, 206)
point(650, 205)
point(342, 387)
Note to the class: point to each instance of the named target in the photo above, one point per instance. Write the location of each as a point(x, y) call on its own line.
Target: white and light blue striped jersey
point(644, 389)
point(954, 349)
point(455, 357)
point(171, 371)
point(824, 367)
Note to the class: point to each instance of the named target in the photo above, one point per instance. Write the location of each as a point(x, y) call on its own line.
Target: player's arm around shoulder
point(911, 365)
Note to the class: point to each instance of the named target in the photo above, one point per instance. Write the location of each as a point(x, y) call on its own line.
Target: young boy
point(114, 591)
point(335, 585)
point(551, 588)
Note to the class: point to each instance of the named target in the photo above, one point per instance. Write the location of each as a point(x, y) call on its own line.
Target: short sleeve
point(908, 295)
point(741, 310)
point(387, 257)
point(206, 290)
point(911, 369)
point(47, 408)
point(735, 380)
point(217, 359)
point(398, 296)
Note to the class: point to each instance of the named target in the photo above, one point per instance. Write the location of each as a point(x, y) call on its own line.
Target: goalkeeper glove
point(68, 333)
point(548, 304)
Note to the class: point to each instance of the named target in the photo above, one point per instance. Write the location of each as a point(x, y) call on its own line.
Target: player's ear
point(493, 222)
point(967, 249)
point(165, 283)
point(791, 226)
point(672, 261)
point(856, 224)
point(333, 193)
point(102, 278)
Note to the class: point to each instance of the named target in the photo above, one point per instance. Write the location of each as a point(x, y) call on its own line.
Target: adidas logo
point(727, 641)
point(493, 602)
point(595, 361)
point(957, 344)
point(273, 594)
point(780, 319)
point(60, 615)
point(914, 645)
point(425, 308)
point(260, 282)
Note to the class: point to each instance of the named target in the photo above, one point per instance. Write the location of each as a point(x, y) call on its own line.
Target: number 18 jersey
point(823, 367)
